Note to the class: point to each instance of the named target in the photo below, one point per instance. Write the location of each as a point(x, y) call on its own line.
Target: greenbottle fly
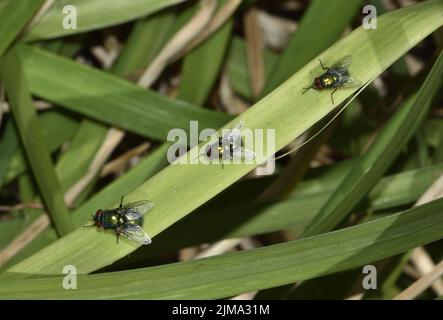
point(126, 220)
point(229, 146)
point(336, 76)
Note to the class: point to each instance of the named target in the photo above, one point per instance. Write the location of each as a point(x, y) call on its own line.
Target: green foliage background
point(316, 225)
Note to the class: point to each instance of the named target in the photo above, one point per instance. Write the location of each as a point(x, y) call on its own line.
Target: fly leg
point(121, 202)
point(332, 95)
point(117, 234)
point(92, 225)
point(323, 66)
point(307, 89)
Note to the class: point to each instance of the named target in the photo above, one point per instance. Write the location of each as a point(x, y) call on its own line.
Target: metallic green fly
point(126, 220)
point(229, 146)
point(337, 76)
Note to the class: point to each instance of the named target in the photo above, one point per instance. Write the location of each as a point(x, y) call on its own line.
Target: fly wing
point(233, 137)
point(135, 233)
point(239, 126)
point(349, 82)
point(343, 63)
point(241, 152)
point(135, 210)
point(235, 132)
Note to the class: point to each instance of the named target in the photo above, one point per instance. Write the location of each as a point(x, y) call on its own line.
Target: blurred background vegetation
point(84, 117)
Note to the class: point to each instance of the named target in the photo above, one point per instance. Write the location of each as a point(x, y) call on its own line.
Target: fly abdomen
point(231, 149)
point(134, 222)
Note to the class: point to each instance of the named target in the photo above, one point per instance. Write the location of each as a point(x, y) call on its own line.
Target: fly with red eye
point(126, 220)
point(97, 218)
point(228, 147)
point(335, 77)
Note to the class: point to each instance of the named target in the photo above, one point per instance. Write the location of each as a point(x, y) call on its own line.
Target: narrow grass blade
point(108, 99)
point(32, 140)
point(201, 66)
point(8, 146)
point(381, 154)
point(86, 142)
point(91, 15)
point(57, 129)
point(251, 270)
point(13, 17)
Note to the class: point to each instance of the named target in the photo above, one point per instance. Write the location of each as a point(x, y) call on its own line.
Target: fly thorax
point(110, 220)
point(221, 150)
point(214, 150)
point(328, 80)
